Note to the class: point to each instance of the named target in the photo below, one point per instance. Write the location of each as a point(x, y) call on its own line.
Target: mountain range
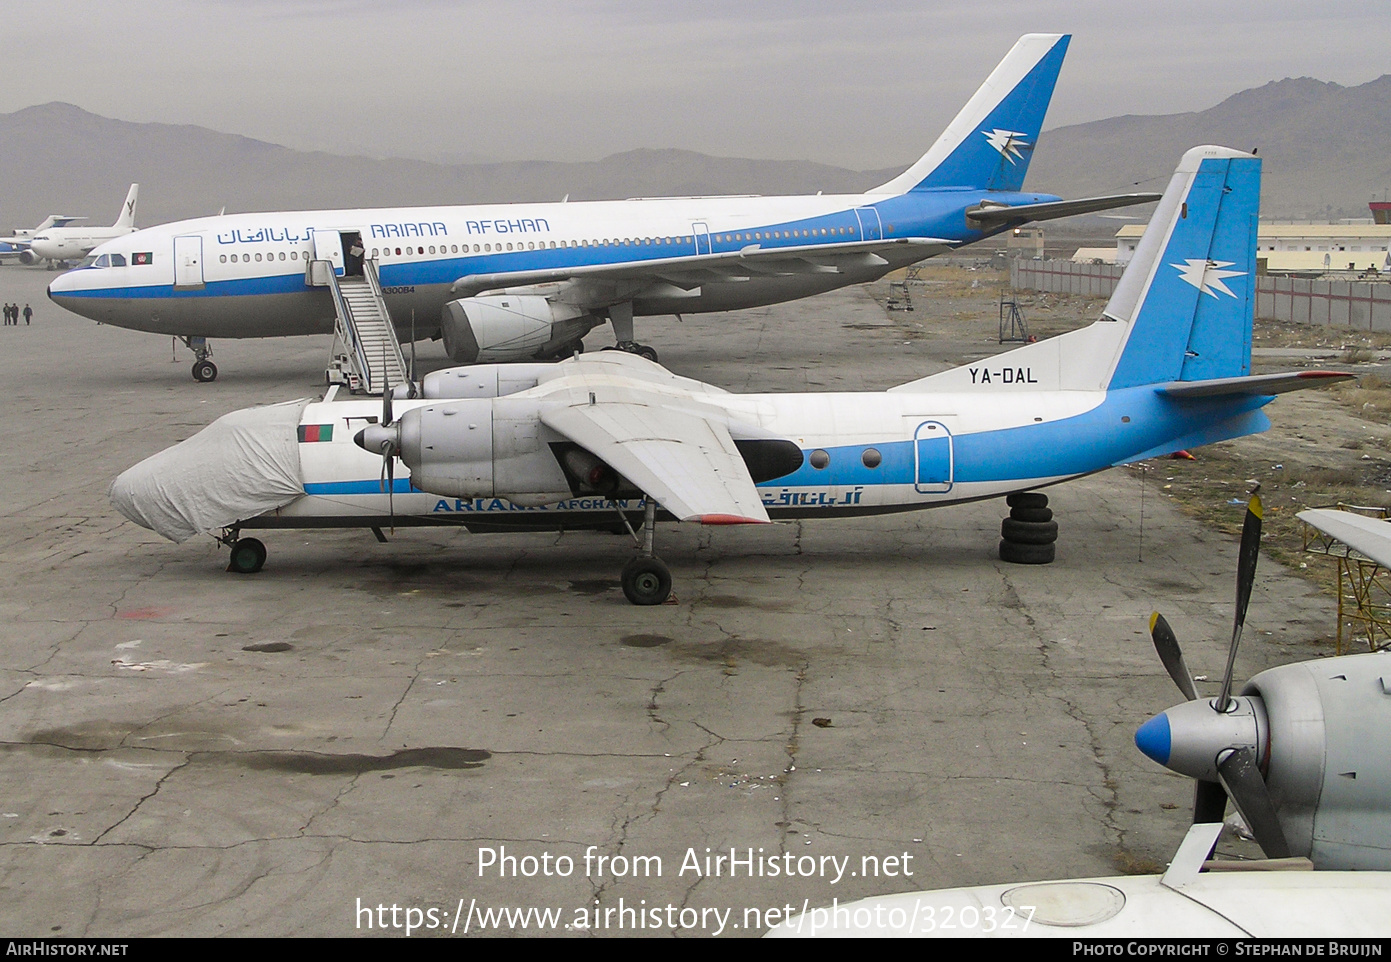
point(1325, 146)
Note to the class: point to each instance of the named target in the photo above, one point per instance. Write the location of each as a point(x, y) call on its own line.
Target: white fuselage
point(73, 243)
point(244, 275)
point(862, 452)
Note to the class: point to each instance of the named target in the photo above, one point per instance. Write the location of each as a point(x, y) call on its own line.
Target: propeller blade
point(386, 398)
point(390, 458)
point(1171, 655)
point(1245, 578)
point(1241, 777)
point(1209, 802)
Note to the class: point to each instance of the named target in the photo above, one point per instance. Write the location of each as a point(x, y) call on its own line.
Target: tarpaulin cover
point(243, 464)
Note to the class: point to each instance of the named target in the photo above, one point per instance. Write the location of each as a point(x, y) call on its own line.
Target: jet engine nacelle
point(482, 448)
point(510, 327)
point(27, 256)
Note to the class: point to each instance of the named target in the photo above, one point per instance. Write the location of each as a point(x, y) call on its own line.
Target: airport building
point(1287, 248)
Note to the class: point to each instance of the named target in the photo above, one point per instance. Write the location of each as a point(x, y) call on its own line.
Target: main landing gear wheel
point(204, 371)
point(248, 556)
point(646, 581)
point(633, 347)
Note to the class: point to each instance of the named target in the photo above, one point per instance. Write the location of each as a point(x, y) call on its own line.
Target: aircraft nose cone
point(373, 438)
point(1154, 739)
point(1189, 738)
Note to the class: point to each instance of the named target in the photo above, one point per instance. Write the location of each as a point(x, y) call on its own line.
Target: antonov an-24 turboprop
point(569, 444)
point(509, 282)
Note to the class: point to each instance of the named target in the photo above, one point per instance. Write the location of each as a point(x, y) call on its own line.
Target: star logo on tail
point(1008, 142)
point(1207, 276)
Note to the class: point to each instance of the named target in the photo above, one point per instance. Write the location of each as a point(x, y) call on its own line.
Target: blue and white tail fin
point(1189, 293)
point(989, 144)
point(1181, 312)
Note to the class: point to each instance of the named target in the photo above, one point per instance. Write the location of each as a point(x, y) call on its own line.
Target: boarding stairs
point(366, 352)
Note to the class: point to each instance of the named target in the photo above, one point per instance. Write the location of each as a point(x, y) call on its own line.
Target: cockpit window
point(118, 260)
point(103, 261)
point(88, 262)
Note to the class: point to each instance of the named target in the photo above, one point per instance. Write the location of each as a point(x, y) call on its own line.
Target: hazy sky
point(863, 85)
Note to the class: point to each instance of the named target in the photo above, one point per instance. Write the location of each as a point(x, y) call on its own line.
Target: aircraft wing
point(692, 270)
point(684, 459)
point(988, 216)
point(1369, 536)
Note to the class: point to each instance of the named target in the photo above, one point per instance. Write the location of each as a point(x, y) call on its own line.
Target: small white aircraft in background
point(570, 444)
point(17, 245)
point(60, 244)
point(1304, 753)
point(512, 282)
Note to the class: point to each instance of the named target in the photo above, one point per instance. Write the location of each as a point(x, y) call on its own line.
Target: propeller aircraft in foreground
point(1304, 753)
point(609, 436)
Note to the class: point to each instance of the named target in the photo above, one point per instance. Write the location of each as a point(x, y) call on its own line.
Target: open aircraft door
point(702, 237)
point(933, 458)
point(188, 263)
point(328, 246)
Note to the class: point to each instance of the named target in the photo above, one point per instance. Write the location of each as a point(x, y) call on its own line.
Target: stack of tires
point(1029, 533)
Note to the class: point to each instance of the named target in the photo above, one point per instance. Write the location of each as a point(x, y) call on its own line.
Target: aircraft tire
point(248, 556)
point(646, 581)
point(1031, 514)
point(1027, 554)
point(204, 371)
point(648, 352)
point(1027, 499)
point(1029, 532)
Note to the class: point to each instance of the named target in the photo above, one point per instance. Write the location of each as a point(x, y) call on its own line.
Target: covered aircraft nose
point(242, 465)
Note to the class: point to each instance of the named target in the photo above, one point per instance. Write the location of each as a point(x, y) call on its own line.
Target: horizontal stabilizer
point(990, 216)
point(1258, 385)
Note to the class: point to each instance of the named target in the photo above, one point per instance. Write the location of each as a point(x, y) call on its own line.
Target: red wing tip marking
point(1323, 374)
point(729, 519)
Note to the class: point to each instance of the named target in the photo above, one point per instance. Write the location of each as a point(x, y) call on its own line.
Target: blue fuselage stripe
point(938, 214)
point(1127, 424)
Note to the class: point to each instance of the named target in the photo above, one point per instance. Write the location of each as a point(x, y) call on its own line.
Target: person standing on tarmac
point(28, 315)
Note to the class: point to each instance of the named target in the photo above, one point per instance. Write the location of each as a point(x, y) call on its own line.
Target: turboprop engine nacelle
point(482, 448)
point(483, 380)
point(510, 327)
point(1320, 729)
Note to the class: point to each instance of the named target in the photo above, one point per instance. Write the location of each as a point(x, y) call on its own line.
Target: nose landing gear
point(203, 369)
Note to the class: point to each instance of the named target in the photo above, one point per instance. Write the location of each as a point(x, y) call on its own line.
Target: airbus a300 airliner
point(507, 282)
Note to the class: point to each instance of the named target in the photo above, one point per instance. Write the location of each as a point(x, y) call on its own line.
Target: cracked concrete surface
point(184, 751)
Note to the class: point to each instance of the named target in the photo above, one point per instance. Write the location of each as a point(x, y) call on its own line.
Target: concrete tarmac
point(365, 737)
